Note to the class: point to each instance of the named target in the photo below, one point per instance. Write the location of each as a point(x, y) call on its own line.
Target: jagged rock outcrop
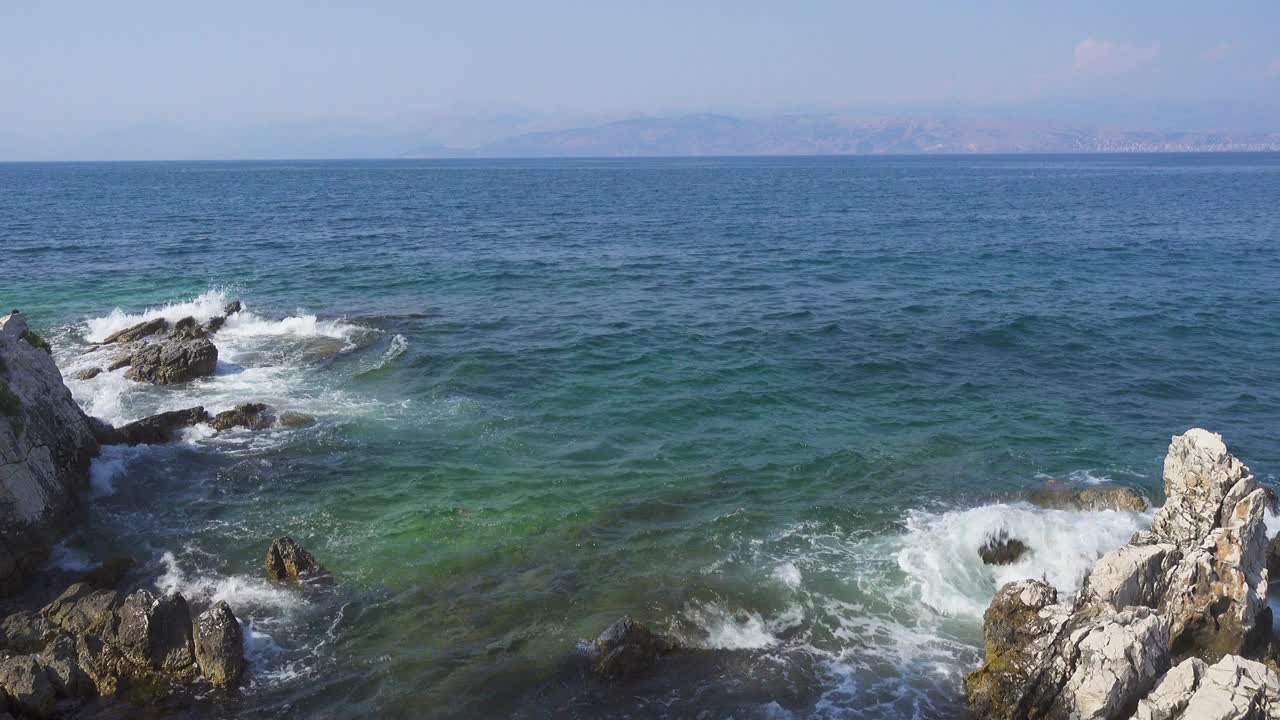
point(90, 643)
point(173, 360)
point(46, 445)
point(1231, 688)
point(287, 561)
point(137, 332)
point(627, 649)
point(254, 416)
point(1191, 589)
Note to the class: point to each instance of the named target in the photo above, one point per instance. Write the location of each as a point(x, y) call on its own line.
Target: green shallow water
point(768, 405)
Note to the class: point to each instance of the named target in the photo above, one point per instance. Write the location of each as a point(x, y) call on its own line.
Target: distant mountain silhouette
point(710, 134)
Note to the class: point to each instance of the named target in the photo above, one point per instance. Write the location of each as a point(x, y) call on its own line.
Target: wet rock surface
point(627, 649)
point(1000, 549)
point(157, 429)
point(287, 561)
point(254, 416)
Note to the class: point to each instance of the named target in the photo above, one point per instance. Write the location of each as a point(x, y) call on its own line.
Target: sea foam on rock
point(1192, 589)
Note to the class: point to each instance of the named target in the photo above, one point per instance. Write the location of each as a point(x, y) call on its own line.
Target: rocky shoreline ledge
point(1172, 626)
point(104, 638)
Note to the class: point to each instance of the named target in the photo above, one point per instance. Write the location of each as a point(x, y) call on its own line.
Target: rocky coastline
point(1172, 626)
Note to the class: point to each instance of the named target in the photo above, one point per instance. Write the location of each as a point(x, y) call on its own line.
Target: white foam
point(940, 559)
point(788, 574)
point(202, 308)
point(64, 557)
point(239, 591)
point(110, 465)
point(741, 629)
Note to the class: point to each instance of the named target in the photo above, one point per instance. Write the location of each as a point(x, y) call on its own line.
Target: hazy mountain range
point(509, 131)
point(708, 135)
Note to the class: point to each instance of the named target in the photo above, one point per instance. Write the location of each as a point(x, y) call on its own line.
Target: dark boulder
point(1000, 549)
point(220, 645)
point(155, 632)
point(81, 609)
point(89, 373)
point(254, 416)
point(1273, 558)
point(287, 561)
point(137, 332)
point(110, 574)
point(627, 649)
point(173, 361)
point(158, 429)
point(214, 324)
point(232, 308)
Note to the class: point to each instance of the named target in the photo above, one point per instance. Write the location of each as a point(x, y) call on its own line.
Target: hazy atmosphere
point(292, 79)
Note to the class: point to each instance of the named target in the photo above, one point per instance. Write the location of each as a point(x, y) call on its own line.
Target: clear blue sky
point(74, 67)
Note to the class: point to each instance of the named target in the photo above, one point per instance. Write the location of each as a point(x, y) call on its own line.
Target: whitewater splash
point(894, 620)
point(211, 304)
point(259, 359)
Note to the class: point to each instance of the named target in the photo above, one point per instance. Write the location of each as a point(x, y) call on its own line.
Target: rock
point(89, 373)
point(46, 444)
point(62, 665)
point(120, 361)
point(1132, 575)
point(173, 361)
point(1000, 549)
point(232, 308)
point(287, 561)
point(27, 684)
point(110, 573)
point(253, 416)
point(155, 632)
point(1199, 474)
point(1194, 586)
point(24, 632)
point(1044, 660)
point(158, 429)
point(1273, 558)
point(137, 332)
point(627, 649)
point(188, 329)
point(220, 645)
point(214, 324)
point(81, 609)
point(1231, 688)
point(295, 420)
point(1061, 496)
point(1219, 588)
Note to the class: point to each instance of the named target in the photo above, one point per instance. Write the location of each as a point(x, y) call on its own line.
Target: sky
point(73, 69)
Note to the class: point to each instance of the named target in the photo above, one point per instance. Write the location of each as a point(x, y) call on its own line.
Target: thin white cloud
point(1219, 52)
point(1106, 57)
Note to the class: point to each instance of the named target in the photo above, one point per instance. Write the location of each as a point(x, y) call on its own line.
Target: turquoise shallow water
point(769, 405)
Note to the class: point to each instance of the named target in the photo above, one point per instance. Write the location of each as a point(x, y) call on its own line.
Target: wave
point(211, 304)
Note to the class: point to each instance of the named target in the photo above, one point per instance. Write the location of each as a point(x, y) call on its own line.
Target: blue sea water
point(770, 406)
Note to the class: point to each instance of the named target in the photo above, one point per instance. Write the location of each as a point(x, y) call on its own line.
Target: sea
point(770, 407)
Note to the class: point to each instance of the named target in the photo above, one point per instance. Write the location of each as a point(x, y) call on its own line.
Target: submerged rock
point(219, 644)
point(158, 429)
point(254, 416)
point(1194, 586)
point(287, 561)
point(627, 649)
point(295, 419)
point(46, 445)
point(137, 332)
point(1061, 496)
point(1000, 549)
point(174, 360)
point(110, 573)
